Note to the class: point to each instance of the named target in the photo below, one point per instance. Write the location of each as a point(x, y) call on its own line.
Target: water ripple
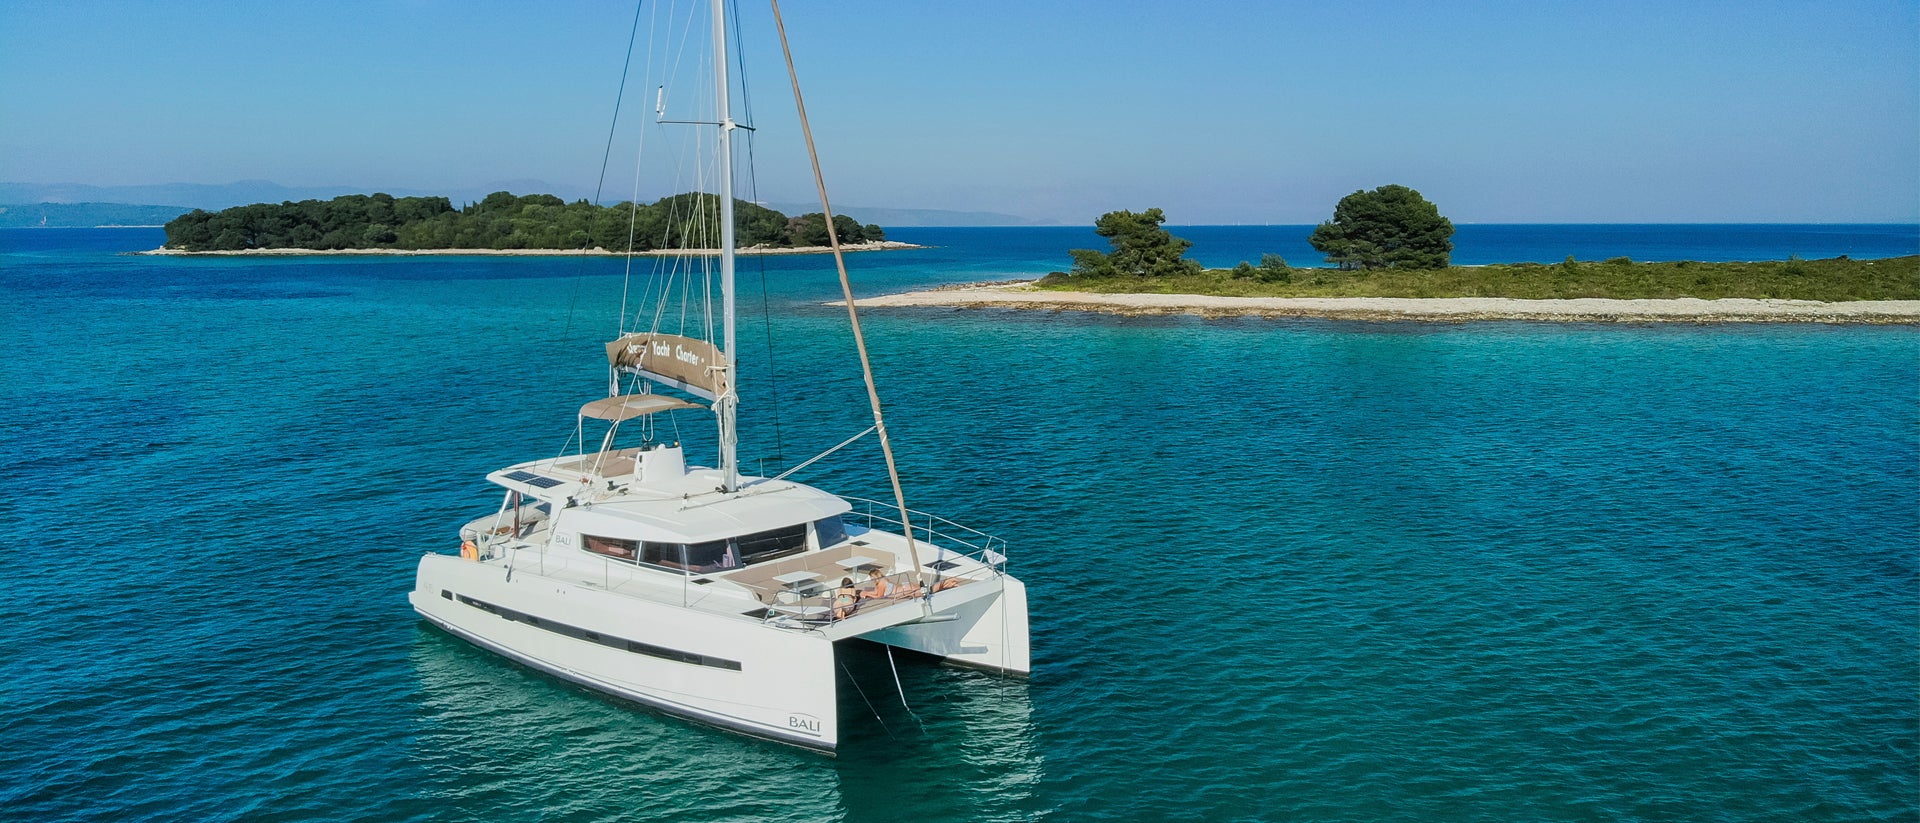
point(1287, 570)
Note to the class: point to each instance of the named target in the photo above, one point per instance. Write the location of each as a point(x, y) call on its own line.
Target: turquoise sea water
point(1280, 570)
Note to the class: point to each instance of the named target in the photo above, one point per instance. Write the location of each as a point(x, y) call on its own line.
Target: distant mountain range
point(74, 204)
point(244, 192)
point(81, 215)
point(890, 218)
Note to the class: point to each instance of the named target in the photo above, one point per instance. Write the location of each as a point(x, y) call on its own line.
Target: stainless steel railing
point(932, 530)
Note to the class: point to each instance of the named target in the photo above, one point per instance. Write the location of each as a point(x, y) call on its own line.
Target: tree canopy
point(1141, 248)
point(500, 221)
point(1391, 227)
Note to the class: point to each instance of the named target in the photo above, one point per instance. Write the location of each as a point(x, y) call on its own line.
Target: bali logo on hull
point(804, 723)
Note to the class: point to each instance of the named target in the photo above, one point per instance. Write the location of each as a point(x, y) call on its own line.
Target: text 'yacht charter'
point(698, 591)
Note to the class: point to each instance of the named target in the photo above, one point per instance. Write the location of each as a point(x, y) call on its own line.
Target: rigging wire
point(619, 96)
point(664, 269)
point(760, 260)
point(870, 707)
point(626, 66)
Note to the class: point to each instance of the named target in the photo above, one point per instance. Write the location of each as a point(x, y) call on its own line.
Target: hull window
point(609, 641)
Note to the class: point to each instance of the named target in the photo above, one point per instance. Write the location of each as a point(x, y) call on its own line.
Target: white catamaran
point(699, 591)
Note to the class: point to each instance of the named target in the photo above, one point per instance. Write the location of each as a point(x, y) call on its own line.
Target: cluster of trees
point(1391, 242)
point(1391, 227)
point(1272, 269)
point(500, 221)
point(1141, 248)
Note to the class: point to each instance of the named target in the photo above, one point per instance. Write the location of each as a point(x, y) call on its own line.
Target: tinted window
point(768, 545)
point(832, 532)
point(611, 547)
point(670, 555)
point(711, 557)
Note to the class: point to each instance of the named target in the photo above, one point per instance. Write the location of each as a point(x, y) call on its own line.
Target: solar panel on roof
point(533, 480)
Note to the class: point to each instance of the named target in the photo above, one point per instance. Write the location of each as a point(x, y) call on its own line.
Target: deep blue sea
point(1280, 569)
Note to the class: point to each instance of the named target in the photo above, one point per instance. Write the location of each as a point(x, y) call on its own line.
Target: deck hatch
point(609, 641)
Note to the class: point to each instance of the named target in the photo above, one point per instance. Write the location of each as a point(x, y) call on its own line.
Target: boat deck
point(792, 593)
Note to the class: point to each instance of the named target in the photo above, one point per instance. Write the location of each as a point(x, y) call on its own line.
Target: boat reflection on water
point(502, 742)
point(963, 749)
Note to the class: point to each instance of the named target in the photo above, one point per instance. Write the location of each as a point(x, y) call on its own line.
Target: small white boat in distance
point(697, 591)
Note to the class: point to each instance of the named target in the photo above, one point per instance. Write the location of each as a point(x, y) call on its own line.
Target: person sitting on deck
point(910, 587)
point(845, 599)
point(880, 588)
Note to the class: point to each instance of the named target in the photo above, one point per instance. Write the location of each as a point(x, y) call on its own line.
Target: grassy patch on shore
point(1834, 280)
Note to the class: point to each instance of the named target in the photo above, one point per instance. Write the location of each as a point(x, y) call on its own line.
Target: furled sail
point(693, 366)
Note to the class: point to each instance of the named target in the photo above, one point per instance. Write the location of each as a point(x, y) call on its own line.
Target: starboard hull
point(984, 627)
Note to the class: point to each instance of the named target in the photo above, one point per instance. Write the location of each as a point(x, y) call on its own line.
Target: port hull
point(726, 672)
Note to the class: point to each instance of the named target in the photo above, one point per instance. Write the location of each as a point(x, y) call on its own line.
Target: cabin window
point(725, 555)
point(712, 556)
point(830, 531)
point(666, 555)
point(773, 543)
point(612, 547)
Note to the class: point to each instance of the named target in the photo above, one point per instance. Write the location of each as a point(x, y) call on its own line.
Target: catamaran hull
point(725, 672)
point(982, 626)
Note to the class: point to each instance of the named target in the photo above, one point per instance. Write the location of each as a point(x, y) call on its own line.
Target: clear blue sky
point(1218, 112)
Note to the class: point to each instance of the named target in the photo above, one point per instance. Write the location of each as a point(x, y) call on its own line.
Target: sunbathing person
point(845, 599)
point(879, 589)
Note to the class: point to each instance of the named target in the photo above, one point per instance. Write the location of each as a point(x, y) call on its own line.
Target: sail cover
point(694, 366)
point(629, 406)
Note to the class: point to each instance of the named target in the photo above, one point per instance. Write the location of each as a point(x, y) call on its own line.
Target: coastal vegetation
point(1391, 227)
point(1830, 280)
point(1391, 242)
point(500, 221)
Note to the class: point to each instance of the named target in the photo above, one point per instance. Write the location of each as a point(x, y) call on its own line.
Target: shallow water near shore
point(1279, 569)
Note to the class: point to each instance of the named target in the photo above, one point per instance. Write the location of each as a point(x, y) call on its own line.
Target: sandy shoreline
point(1021, 295)
point(884, 245)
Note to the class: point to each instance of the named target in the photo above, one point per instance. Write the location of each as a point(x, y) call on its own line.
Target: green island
point(1390, 242)
point(1832, 280)
point(501, 221)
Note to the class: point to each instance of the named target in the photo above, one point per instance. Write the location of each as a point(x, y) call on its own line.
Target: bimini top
point(629, 406)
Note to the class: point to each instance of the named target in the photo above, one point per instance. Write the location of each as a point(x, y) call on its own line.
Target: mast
point(725, 407)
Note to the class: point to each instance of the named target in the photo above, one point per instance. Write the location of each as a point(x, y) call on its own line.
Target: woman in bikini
point(845, 599)
point(880, 588)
